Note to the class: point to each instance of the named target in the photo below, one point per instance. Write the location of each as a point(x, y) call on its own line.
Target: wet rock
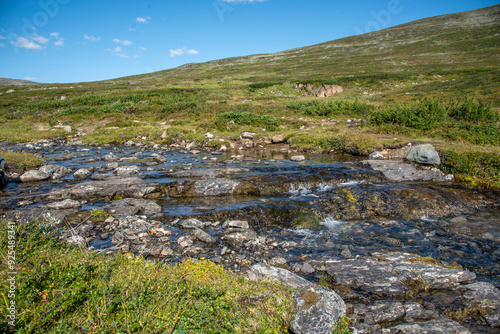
point(43, 173)
point(112, 165)
point(437, 326)
point(60, 172)
point(382, 312)
point(236, 224)
point(104, 236)
point(237, 236)
point(185, 241)
point(400, 171)
point(118, 238)
point(122, 186)
point(298, 158)
point(129, 143)
point(110, 157)
point(318, 310)
point(392, 273)
point(346, 253)
point(193, 223)
point(83, 173)
point(166, 252)
point(127, 170)
point(211, 187)
point(193, 251)
point(207, 173)
point(307, 269)
point(261, 271)
point(64, 157)
point(486, 297)
point(158, 158)
point(424, 154)
point(64, 205)
point(416, 312)
point(203, 236)
point(135, 206)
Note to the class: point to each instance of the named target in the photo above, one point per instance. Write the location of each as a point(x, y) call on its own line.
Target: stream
point(326, 207)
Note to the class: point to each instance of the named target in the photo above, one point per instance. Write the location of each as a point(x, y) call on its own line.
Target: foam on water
point(331, 223)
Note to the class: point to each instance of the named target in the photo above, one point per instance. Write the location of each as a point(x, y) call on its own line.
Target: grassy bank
point(66, 289)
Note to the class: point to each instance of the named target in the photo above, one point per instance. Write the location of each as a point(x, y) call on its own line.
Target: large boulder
point(261, 271)
point(43, 173)
point(424, 154)
point(400, 171)
point(318, 310)
point(122, 186)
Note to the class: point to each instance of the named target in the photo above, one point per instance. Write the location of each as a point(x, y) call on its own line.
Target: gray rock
point(104, 236)
point(298, 158)
point(215, 187)
point(123, 186)
point(391, 274)
point(130, 143)
point(83, 173)
point(158, 158)
point(277, 261)
point(236, 224)
point(110, 158)
point(237, 236)
point(118, 238)
point(64, 205)
point(112, 165)
point(166, 252)
point(487, 296)
point(203, 236)
point(43, 173)
point(437, 326)
point(77, 240)
point(60, 172)
point(192, 223)
point(127, 170)
point(416, 312)
point(381, 312)
point(135, 206)
point(401, 171)
point(318, 310)
point(193, 251)
point(307, 269)
point(278, 139)
point(376, 156)
point(185, 241)
point(424, 154)
point(247, 135)
point(207, 173)
point(261, 271)
point(346, 253)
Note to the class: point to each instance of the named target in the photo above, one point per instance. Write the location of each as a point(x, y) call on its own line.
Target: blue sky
point(57, 41)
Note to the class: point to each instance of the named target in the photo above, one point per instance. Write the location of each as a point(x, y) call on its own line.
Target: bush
point(248, 118)
point(330, 108)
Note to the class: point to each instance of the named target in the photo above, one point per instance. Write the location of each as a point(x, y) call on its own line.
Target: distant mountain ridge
point(16, 82)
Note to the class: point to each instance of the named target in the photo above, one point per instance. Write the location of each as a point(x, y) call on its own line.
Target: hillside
point(465, 45)
point(434, 80)
point(15, 82)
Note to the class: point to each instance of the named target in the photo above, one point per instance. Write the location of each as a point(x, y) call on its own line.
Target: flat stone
point(381, 312)
point(277, 261)
point(135, 206)
point(261, 271)
point(401, 171)
point(203, 236)
point(416, 312)
point(185, 241)
point(127, 170)
point(236, 224)
point(437, 326)
point(123, 186)
point(64, 205)
point(192, 223)
point(318, 310)
point(307, 269)
point(237, 236)
point(278, 139)
point(83, 173)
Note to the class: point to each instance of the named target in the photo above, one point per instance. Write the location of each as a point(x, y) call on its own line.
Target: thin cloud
point(124, 42)
point(91, 38)
point(1, 37)
point(2, 45)
point(181, 51)
point(40, 39)
point(59, 40)
point(143, 19)
point(142, 48)
point(24, 43)
point(33, 78)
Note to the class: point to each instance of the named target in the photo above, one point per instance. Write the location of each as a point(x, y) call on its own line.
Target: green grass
point(66, 289)
point(20, 161)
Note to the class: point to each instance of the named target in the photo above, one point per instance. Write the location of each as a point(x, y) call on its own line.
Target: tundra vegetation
point(435, 81)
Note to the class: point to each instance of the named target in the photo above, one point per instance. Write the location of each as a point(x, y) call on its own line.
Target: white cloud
point(124, 42)
point(91, 38)
point(142, 48)
point(40, 39)
point(243, 1)
point(117, 49)
point(181, 51)
point(1, 37)
point(2, 45)
point(24, 43)
point(33, 78)
point(59, 40)
point(143, 19)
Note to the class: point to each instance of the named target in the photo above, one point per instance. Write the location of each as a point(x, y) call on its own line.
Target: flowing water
point(293, 206)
